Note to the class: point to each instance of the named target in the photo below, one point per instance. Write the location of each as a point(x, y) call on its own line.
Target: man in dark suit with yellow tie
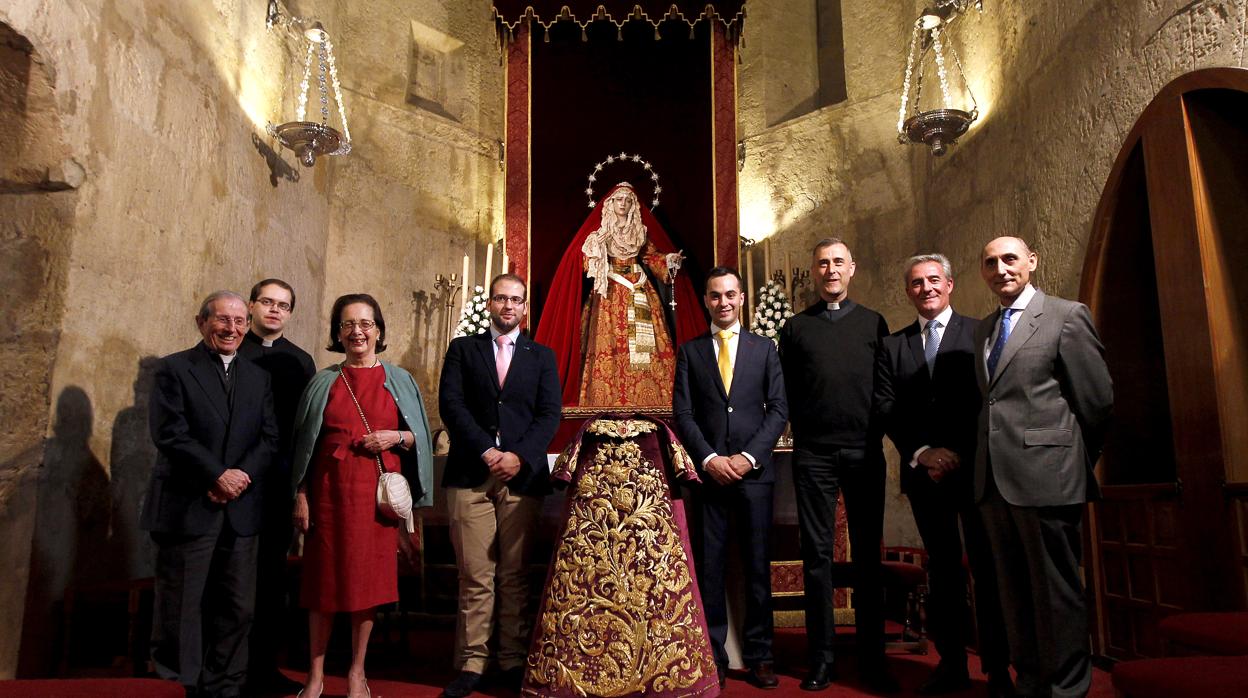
point(929, 403)
point(1046, 401)
point(729, 406)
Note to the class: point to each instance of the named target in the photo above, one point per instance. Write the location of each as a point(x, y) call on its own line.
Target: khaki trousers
point(491, 530)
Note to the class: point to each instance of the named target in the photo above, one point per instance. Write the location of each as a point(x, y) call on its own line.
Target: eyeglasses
point(269, 303)
point(501, 299)
point(365, 325)
point(228, 321)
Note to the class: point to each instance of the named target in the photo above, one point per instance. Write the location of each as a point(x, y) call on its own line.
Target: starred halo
point(623, 158)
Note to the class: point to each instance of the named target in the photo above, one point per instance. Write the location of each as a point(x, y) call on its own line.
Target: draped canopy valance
point(510, 13)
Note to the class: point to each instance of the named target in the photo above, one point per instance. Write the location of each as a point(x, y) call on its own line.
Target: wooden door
point(1165, 276)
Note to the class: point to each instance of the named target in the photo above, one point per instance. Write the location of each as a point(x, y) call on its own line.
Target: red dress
point(350, 559)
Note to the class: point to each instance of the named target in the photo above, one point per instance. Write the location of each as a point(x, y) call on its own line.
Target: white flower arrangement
point(475, 318)
point(772, 310)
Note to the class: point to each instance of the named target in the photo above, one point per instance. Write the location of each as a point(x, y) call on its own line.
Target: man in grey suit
point(1047, 397)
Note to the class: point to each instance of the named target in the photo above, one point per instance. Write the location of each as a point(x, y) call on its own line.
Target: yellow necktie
point(725, 360)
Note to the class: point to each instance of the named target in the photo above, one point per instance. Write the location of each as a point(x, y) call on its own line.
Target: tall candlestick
point(489, 265)
point(788, 274)
point(766, 260)
point(463, 279)
point(749, 283)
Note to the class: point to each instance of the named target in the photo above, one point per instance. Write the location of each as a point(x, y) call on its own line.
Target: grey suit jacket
point(1045, 409)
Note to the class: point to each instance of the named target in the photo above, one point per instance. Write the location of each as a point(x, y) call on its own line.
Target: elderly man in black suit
point(929, 402)
point(500, 400)
point(1047, 396)
point(215, 432)
point(729, 406)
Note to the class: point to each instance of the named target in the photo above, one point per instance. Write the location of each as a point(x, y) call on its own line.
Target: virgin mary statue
point(606, 317)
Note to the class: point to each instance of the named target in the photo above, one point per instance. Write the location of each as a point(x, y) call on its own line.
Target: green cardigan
point(406, 394)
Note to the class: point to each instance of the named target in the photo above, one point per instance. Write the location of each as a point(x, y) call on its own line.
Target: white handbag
point(394, 495)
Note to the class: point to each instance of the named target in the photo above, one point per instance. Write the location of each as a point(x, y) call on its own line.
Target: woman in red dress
point(349, 558)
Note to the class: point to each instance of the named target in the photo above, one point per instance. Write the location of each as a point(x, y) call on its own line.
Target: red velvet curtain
point(604, 96)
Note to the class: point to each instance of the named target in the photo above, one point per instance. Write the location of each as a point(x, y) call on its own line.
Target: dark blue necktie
point(1002, 337)
point(931, 346)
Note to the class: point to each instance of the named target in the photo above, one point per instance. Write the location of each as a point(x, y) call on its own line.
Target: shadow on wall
point(70, 545)
point(87, 534)
point(131, 460)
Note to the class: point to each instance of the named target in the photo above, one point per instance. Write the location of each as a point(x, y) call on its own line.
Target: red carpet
point(426, 669)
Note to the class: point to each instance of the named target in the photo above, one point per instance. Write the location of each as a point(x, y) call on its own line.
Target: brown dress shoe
point(762, 675)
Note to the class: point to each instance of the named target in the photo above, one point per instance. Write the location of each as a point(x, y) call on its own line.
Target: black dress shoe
point(512, 678)
point(821, 674)
point(878, 679)
point(463, 685)
point(1000, 685)
point(945, 678)
point(763, 675)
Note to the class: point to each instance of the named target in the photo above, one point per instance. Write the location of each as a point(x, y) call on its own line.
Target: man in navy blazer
point(500, 401)
point(729, 406)
point(928, 400)
point(215, 432)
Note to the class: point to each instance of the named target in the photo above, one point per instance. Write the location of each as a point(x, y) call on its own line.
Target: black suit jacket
point(936, 410)
point(524, 414)
point(200, 432)
point(750, 419)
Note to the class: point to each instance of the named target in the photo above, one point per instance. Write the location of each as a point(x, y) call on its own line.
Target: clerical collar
point(251, 336)
point(838, 306)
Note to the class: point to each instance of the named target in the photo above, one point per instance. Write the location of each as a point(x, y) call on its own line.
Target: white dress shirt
point(733, 341)
point(943, 318)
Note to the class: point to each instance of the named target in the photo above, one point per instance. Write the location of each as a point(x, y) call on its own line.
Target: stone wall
point(1062, 94)
point(143, 179)
point(140, 179)
point(425, 183)
point(1059, 85)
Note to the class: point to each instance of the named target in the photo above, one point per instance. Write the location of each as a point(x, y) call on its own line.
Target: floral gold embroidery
point(621, 615)
point(621, 428)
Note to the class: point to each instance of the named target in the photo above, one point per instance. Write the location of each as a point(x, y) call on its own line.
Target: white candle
point(463, 279)
point(489, 265)
point(506, 264)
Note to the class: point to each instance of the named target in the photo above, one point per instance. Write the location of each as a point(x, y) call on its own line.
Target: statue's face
point(622, 203)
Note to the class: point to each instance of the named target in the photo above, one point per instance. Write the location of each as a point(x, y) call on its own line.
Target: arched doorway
point(1163, 278)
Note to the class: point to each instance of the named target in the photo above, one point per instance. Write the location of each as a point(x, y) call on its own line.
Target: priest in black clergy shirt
point(828, 355)
point(729, 406)
point(289, 367)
